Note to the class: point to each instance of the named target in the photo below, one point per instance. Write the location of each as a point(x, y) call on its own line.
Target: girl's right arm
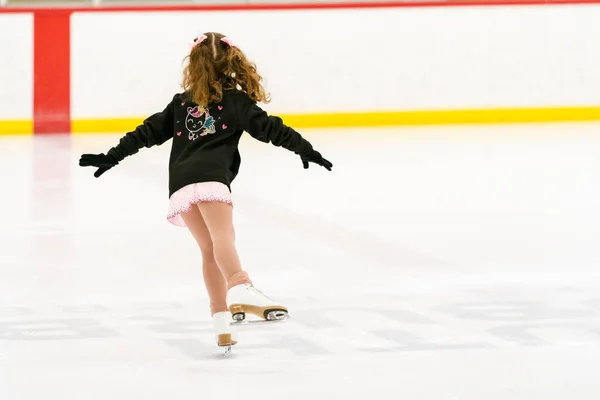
point(155, 130)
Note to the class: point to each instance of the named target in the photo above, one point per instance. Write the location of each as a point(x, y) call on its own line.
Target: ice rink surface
point(456, 263)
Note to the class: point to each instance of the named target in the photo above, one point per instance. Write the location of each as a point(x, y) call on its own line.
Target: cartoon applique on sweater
point(199, 122)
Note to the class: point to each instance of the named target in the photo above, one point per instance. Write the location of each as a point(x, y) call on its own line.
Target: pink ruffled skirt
point(182, 200)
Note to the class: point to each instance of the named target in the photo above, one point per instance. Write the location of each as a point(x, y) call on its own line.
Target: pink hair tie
point(227, 40)
point(199, 40)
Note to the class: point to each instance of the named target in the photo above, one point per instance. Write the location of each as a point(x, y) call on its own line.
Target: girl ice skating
point(205, 123)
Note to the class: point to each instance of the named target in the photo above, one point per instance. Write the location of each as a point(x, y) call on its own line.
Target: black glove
point(104, 162)
point(317, 158)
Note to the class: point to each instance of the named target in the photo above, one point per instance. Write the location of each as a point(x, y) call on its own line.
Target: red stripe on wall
point(51, 71)
point(300, 6)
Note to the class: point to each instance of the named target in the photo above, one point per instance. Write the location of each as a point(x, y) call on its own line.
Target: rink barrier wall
point(385, 118)
point(52, 66)
point(16, 72)
point(52, 80)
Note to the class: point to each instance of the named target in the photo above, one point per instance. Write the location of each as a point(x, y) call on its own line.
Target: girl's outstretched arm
point(271, 129)
point(154, 131)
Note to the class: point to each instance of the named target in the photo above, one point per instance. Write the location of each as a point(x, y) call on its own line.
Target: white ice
point(458, 263)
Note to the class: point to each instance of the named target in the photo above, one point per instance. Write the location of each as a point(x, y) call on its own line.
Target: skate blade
point(239, 311)
point(245, 322)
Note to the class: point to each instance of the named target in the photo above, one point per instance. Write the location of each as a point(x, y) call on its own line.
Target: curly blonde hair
point(214, 66)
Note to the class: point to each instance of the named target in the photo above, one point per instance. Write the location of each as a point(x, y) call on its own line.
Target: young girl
point(221, 89)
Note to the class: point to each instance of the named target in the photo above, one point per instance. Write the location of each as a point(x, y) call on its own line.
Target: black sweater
point(205, 140)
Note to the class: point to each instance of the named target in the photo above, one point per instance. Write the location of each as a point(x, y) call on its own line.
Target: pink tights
point(211, 224)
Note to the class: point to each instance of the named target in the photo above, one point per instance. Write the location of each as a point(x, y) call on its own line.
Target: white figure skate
point(224, 332)
point(246, 299)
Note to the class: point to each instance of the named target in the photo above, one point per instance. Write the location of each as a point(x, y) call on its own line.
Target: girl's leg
point(242, 296)
point(213, 279)
point(219, 221)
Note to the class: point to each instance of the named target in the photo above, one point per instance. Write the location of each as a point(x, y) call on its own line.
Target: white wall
point(129, 64)
point(16, 66)
point(350, 60)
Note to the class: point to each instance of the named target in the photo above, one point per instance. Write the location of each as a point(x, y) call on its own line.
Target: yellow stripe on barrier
point(107, 125)
point(358, 119)
point(387, 118)
point(444, 117)
point(16, 127)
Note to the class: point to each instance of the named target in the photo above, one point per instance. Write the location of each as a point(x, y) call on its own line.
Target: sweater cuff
point(117, 154)
point(306, 149)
